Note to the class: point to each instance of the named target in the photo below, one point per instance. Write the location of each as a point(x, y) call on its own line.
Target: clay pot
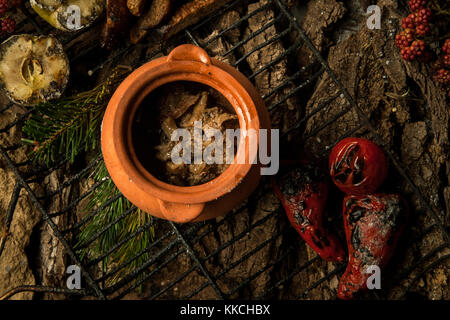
point(176, 203)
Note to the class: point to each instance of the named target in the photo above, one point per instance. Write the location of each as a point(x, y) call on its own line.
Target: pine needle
point(132, 252)
point(68, 126)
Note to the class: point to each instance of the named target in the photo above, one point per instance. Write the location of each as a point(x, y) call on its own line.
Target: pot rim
point(138, 85)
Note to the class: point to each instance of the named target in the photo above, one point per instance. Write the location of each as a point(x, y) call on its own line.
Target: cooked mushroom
point(169, 126)
point(199, 108)
point(33, 69)
point(210, 117)
point(63, 14)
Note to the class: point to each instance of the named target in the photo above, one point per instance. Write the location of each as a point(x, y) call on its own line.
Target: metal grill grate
point(187, 261)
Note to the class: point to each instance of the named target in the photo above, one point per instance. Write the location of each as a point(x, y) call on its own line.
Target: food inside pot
point(190, 106)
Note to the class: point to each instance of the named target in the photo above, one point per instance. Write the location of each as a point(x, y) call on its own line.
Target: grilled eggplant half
point(33, 69)
point(69, 15)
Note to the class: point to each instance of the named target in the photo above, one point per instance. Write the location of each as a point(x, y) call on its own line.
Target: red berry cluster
point(446, 46)
point(416, 25)
point(422, 16)
point(404, 38)
point(419, 21)
point(409, 22)
point(7, 23)
point(412, 45)
point(416, 49)
point(443, 76)
point(443, 65)
point(446, 52)
point(417, 4)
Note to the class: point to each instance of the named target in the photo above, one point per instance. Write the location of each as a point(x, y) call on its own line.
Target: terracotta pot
point(175, 203)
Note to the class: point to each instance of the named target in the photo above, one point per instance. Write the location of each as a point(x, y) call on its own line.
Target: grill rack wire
point(182, 239)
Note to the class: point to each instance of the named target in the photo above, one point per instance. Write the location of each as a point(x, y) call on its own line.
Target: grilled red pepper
point(358, 166)
point(303, 191)
point(373, 224)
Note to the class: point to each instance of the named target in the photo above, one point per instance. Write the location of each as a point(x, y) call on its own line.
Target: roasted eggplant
point(69, 15)
point(33, 69)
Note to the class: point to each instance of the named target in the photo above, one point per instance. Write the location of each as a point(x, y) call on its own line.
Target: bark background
point(408, 110)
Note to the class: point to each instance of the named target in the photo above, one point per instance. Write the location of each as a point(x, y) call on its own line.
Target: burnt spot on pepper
point(341, 177)
point(351, 153)
point(319, 240)
point(350, 202)
point(350, 166)
point(356, 240)
point(288, 185)
point(298, 218)
point(355, 215)
point(299, 204)
point(358, 166)
point(357, 177)
point(300, 178)
point(318, 243)
point(324, 240)
point(366, 256)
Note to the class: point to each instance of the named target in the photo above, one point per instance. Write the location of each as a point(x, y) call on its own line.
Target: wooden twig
point(30, 288)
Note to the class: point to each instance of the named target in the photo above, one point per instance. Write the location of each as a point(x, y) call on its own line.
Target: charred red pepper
point(373, 224)
point(303, 191)
point(358, 166)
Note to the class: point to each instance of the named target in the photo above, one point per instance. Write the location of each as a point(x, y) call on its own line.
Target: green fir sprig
point(68, 126)
point(128, 219)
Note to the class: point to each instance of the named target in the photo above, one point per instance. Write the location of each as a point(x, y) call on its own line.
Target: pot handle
point(189, 52)
point(180, 212)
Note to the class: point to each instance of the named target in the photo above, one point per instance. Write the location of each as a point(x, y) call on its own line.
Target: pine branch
point(135, 220)
point(69, 125)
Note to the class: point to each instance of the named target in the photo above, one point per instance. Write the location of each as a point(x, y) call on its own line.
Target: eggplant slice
point(49, 4)
point(33, 69)
point(60, 13)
